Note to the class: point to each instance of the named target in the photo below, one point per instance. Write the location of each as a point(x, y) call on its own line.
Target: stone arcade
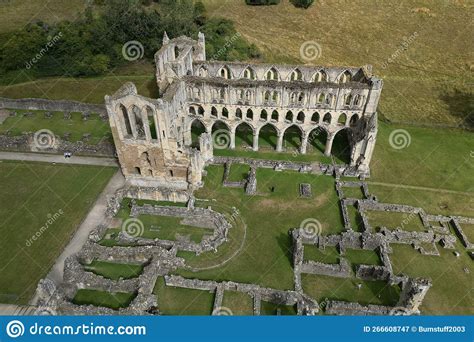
point(153, 136)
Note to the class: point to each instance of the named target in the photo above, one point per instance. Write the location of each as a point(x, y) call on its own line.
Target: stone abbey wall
point(153, 136)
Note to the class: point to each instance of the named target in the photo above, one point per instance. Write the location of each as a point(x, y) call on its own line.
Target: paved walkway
point(95, 217)
point(16, 310)
point(55, 158)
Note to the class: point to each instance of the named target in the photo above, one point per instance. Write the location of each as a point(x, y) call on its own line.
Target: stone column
point(327, 151)
point(255, 141)
point(280, 142)
point(304, 143)
point(232, 139)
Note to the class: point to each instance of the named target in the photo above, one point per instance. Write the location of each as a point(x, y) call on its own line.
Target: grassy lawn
point(33, 194)
point(432, 201)
point(98, 129)
point(394, 220)
point(110, 300)
point(114, 270)
point(362, 256)
point(271, 309)
point(182, 301)
point(90, 89)
point(269, 216)
point(451, 293)
point(329, 255)
point(241, 304)
point(238, 172)
point(355, 218)
point(353, 192)
point(321, 287)
point(436, 158)
point(468, 230)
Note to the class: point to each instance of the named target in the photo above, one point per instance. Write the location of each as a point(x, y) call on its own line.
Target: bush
point(262, 2)
point(302, 3)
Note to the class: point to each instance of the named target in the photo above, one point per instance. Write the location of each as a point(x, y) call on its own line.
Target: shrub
point(262, 2)
point(302, 3)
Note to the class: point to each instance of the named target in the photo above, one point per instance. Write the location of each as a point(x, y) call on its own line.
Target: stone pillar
point(255, 141)
point(232, 139)
point(327, 151)
point(280, 142)
point(304, 143)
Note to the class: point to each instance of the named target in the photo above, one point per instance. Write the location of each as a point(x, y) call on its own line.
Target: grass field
point(371, 292)
point(112, 300)
point(241, 304)
point(451, 293)
point(181, 301)
point(46, 201)
point(113, 270)
point(76, 126)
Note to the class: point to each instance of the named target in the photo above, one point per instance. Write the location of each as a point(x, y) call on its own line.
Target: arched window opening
point(315, 118)
point(289, 116)
point(296, 75)
point(275, 116)
point(327, 118)
point(263, 115)
point(300, 117)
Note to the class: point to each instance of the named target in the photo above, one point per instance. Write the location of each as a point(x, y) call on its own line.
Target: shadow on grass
point(285, 244)
point(460, 104)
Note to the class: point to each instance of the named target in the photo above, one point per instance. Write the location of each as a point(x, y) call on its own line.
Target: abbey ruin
point(153, 136)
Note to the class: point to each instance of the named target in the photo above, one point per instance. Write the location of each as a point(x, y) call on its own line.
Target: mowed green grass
point(436, 158)
point(76, 126)
point(451, 293)
point(112, 300)
point(182, 301)
point(114, 271)
point(240, 304)
point(31, 194)
point(419, 86)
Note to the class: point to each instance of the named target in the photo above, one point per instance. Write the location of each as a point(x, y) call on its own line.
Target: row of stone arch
point(139, 123)
point(272, 74)
point(268, 136)
point(274, 116)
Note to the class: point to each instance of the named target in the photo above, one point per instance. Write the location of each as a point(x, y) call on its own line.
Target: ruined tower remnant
point(153, 136)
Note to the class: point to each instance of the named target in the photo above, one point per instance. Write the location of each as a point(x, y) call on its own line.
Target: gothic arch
point(315, 118)
point(296, 75)
point(244, 134)
point(268, 136)
point(126, 121)
point(341, 148)
point(342, 119)
point(272, 74)
point(292, 137)
point(344, 77)
point(225, 72)
point(327, 118)
point(249, 73)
